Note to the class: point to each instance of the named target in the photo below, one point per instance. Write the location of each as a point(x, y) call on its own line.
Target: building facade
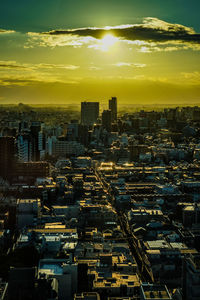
point(89, 112)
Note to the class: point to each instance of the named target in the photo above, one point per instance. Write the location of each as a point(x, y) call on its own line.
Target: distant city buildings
point(105, 209)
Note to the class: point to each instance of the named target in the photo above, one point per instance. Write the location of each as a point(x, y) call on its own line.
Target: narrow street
point(144, 269)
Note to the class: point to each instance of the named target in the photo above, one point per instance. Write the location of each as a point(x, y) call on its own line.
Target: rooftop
point(54, 230)
point(115, 280)
point(27, 200)
point(158, 244)
point(151, 291)
point(51, 269)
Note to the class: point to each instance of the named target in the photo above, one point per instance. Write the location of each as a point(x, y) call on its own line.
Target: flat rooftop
point(151, 291)
point(51, 269)
point(115, 280)
point(54, 230)
point(159, 244)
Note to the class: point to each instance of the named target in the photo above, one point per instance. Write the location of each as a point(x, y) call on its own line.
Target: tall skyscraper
point(24, 145)
point(7, 156)
point(107, 120)
point(83, 135)
point(37, 140)
point(191, 277)
point(89, 112)
point(113, 108)
point(72, 130)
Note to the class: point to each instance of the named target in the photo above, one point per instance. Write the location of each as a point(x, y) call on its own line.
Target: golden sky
point(46, 58)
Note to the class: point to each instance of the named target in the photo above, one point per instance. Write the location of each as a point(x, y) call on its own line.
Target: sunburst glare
point(107, 42)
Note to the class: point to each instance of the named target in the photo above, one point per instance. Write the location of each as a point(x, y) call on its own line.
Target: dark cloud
point(5, 31)
point(11, 66)
point(14, 65)
point(151, 30)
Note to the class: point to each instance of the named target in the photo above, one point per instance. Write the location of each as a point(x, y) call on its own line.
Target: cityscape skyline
point(99, 150)
point(104, 207)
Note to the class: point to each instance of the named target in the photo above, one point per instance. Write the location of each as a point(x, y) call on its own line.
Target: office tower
point(107, 120)
point(23, 126)
point(89, 112)
point(72, 130)
point(24, 145)
point(36, 140)
point(21, 283)
point(83, 135)
point(29, 171)
point(113, 108)
point(7, 156)
point(191, 277)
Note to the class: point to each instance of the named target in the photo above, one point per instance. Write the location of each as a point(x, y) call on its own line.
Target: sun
point(107, 42)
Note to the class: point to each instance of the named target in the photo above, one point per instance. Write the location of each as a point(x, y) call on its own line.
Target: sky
point(64, 52)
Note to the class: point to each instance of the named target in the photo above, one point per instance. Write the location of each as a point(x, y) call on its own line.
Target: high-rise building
point(83, 135)
point(191, 277)
point(29, 171)
point(21, 283)
point(89, 112)
point(72, 130)
point(113, 108)
point(24, 145)
point(107, 120)
point(36, 140)
point(7, 156)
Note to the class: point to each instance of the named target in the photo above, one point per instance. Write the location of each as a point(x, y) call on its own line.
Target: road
point(144, 269)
